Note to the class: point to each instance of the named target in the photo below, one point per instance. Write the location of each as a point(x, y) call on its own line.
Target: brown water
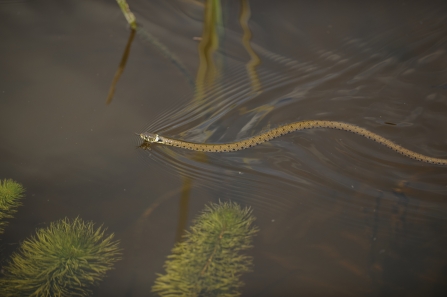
point(339, 215)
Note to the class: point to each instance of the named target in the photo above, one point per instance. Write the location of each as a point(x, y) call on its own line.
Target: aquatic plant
point(130, 17)
point(208, 262)
point(65, 259)
point(146, 36)
point(10, 194)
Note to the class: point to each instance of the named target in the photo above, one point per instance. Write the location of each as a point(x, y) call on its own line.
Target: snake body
point(285, 129)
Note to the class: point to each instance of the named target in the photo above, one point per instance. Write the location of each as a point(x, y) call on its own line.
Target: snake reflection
point(285, 129)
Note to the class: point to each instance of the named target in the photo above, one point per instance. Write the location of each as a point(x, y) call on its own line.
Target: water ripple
point(379, 84)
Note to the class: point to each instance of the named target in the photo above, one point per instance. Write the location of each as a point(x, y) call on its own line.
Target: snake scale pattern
point(285, 129)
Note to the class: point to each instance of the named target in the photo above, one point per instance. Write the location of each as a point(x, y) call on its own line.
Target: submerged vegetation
point(64, 259)
point(10, 194)
point(208, 262)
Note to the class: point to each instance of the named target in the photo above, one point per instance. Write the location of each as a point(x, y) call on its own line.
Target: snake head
point(150, 137)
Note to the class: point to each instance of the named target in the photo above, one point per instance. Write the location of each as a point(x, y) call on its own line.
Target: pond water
point(339, 215)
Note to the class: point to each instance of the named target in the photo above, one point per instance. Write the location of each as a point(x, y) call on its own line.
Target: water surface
point(339, 215)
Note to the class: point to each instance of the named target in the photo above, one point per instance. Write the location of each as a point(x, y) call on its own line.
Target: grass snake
point(150, 138)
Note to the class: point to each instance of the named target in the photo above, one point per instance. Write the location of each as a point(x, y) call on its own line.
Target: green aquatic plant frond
point(209, 262)
point(65, 259)
point(10, 194)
